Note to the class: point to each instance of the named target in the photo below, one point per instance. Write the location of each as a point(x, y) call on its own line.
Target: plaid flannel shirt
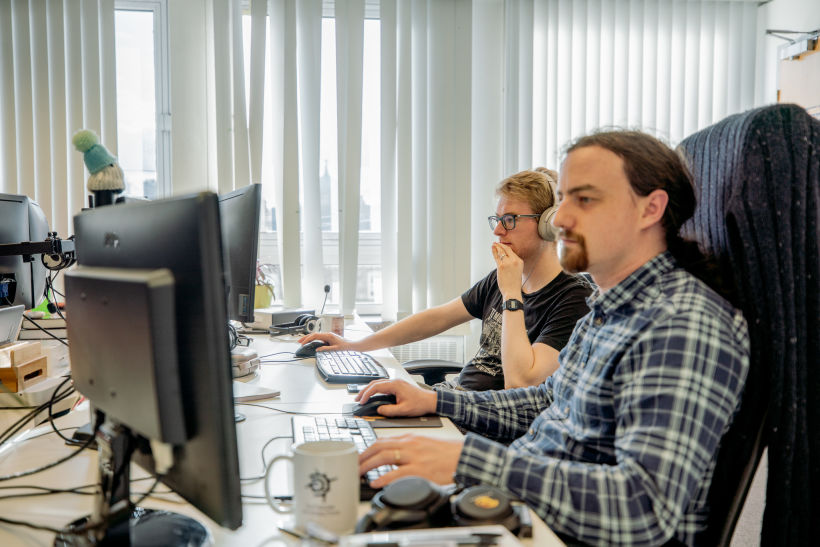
point(619, 445)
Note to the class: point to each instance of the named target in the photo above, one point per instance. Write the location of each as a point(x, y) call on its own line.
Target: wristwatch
point(513, 304)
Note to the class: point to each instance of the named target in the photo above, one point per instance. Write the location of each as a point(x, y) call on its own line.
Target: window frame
point(162, 88)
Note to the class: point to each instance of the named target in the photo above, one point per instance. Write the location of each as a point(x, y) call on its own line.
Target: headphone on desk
point(414, 502)
point(306, 323)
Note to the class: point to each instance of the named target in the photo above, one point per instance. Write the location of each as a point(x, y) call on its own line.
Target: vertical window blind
point(57, 75)
point(469, 92)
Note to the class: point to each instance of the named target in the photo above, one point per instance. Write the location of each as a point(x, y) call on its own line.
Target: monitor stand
point(115, 520)
point(244, 362)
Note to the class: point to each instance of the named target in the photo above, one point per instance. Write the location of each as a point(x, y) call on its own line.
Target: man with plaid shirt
point(618, 446)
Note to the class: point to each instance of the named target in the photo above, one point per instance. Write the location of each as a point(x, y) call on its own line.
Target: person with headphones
point(619, 445)
point(528, 306)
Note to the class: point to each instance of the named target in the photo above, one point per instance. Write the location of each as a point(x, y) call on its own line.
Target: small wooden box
point(17, 353)
point(16, 378)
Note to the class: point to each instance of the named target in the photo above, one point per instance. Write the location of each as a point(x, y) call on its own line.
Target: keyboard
point(348, 367)
point(356, 430)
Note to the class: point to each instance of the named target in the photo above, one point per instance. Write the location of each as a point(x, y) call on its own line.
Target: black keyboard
point(355, 430)
point(348, 367)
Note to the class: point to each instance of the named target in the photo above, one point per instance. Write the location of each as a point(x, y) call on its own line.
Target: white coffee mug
point(331, 322)
point(325, 485)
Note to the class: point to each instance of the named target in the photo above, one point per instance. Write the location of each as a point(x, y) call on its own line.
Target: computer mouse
point(373, 403)
point(309, 349)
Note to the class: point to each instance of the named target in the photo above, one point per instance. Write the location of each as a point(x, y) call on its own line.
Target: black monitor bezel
point(241, 208)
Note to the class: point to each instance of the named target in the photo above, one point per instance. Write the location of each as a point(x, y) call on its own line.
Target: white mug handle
point(283, 507)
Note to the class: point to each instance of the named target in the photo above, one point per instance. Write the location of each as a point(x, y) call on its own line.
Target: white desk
point(302, 390)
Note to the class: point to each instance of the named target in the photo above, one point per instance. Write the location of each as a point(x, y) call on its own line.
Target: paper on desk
point(244, 392)
point(438, 537)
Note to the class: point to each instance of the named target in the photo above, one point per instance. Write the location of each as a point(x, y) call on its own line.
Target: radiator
point(448, 348)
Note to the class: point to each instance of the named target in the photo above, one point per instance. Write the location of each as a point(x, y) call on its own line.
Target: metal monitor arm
point(56, 253)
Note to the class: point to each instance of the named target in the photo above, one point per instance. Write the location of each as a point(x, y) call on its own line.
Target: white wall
point(802, 15)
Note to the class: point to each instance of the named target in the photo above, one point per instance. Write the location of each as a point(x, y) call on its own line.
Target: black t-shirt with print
point(550, 314)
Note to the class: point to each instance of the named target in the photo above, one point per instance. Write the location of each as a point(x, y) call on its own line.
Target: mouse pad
point(381, 421)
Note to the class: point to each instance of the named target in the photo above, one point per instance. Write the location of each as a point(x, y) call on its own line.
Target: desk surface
point(302, 390)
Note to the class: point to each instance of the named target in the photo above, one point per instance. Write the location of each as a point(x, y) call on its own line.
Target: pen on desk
point(308, 535)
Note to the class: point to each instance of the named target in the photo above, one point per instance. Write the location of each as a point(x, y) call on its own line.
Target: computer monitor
point(146, 269)
point(239, 212)
point(21, 220)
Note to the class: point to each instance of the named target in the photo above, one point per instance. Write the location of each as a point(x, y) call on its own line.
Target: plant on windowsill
point(263, 293)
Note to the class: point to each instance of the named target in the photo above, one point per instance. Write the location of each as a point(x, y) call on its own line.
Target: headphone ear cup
point(409, 502)
point(483, 504)
point(302, 319)
point(311, 325)
point(546, 230)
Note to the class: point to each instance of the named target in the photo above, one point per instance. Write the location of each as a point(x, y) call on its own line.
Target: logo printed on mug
point(320, 484)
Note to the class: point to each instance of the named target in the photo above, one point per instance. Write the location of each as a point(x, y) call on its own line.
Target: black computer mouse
point(309, 349)
point(370, 407)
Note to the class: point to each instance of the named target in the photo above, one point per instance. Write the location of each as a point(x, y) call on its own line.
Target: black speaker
point(306, 323)
point(414, 502)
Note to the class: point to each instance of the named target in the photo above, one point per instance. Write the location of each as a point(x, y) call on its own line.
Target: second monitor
point(239, 214)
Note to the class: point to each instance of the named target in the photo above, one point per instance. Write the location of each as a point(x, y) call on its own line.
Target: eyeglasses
point(507, 221)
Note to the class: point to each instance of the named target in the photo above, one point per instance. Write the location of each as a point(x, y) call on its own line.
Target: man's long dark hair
point(650, 165)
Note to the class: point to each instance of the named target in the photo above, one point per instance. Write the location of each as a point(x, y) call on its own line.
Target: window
point(143, 134)
point(369, 288)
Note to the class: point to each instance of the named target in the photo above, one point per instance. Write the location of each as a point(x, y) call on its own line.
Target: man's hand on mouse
point(433, 459)
point(334, 341)
point(411, 400)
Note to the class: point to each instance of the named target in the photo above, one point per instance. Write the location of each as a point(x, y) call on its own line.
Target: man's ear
point(654, 206)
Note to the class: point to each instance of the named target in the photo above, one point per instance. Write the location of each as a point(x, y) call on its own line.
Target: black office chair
point(758, 180)
point(432, 370)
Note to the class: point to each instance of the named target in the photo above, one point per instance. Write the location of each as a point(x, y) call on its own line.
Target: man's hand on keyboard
point(433, 459)
point(411, 400)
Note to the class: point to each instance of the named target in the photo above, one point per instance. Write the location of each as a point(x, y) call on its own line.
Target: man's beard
point(573, 259)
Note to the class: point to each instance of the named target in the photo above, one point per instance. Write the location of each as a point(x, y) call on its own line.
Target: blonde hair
point(535, 186)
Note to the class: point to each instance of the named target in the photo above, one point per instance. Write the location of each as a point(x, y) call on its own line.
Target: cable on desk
point(280, 353)
point(44, 433)
point(50, 406)
point(38, 487)
point(30, 525)
point(264, 462)
point(45, 491)
point(21, 422)
point(150, 490)
point(293, 411)
point(282, 361)
point(265, 361)
point(36, 324)
point(15, 427)
point(56, 463)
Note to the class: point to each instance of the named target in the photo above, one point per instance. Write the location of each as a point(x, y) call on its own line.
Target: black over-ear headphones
point(414, 502)
point(304, 324)
point(546, 230)
point(408, 502)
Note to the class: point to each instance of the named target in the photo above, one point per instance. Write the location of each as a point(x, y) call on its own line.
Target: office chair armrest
point(432, 370)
